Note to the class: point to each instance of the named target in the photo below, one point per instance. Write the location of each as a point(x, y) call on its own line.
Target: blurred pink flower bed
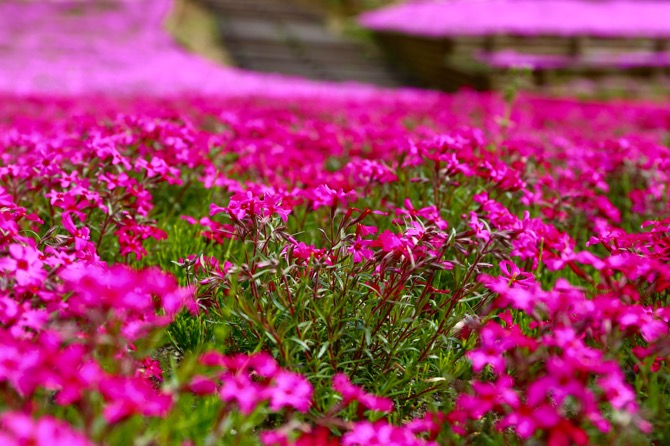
point(120, 47)
point(524, 17)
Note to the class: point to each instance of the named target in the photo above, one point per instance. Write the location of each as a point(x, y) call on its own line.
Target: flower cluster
point(386, 269)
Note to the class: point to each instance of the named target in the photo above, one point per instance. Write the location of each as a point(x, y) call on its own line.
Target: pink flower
point(18, 429)
point(131, 235)
point(150, 368)
point(364, 230)
point(261, 363)
point(390, 242)
point(158, 167)
point(350, 393)
point(514, 275)
point(246, 203)
point(325, 196)
point(201, 385)
point(529, 419)
point(429, 213)
point(494, 342)
point(481, 230)
point(241, 390)
point(130, 396)
point(290, 390)
point(264, 364)
point(520, 297)
point(382, 434)
point(81, 236)
point(304, 252)
point(273, 205)
point(620, 395)
point(488, 396)
point(21, 365)
point(360, 250)
point(25, 265)
point(317, 436)
point(561, 382)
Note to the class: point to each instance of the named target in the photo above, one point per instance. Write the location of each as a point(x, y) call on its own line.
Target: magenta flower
point(382, 434)
point(241, 390)
point(273, 205)
point(520, 297)
point(366, 171)
point(350, 393)
point(364, 230)
point(561, 382)
point(494, 342)
point(264, 364)
point(488, 396)
point(290, 390)
point(360, 250)
point(25, 265)
point(21, 365)
point(515, 275)
point(130, 396)
point(390, 242)
point(303, 251)
point(429, 213)
point(158, 167)
point(325, 196)
point(18, 429)
point(201, 385)
point(70, 201)
point(481, 230)
point(620, 395)
point(529, 419)
point(81, 235)
point(318, 436)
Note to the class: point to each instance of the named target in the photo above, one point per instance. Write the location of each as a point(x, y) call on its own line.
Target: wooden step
point(283, 36)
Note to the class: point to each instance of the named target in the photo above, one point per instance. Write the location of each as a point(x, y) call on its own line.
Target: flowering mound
point(389, 270)
point(441, 18)
point(120, 47)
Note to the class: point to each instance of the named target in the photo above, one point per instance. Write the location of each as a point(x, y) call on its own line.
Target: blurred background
point(591, 47)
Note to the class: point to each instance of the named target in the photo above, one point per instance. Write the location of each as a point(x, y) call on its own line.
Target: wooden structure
point(287, 37)
point(484, 62)
point(476, 43)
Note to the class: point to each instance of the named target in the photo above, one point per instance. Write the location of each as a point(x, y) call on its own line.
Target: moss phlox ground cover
point(450, 270)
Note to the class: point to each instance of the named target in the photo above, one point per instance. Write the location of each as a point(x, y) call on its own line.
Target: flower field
point(204, 256)
point(390, 270)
